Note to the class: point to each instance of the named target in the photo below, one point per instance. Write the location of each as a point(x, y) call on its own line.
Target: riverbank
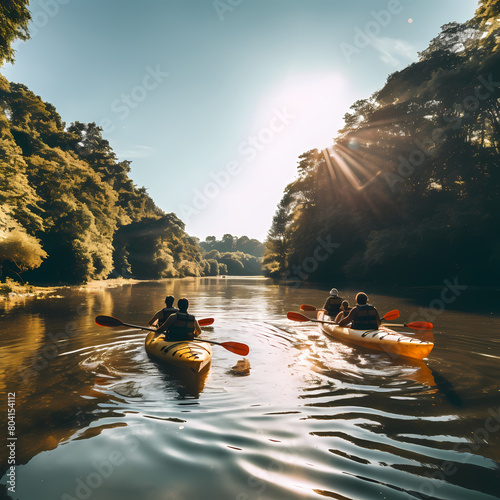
point(13, 290)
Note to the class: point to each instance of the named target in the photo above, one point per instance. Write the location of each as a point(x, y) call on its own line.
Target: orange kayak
point(387, 340)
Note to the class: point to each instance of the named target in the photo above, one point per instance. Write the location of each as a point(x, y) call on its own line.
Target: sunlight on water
point(311, 418)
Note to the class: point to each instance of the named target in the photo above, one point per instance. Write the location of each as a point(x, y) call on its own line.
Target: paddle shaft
point(305, 318)
point(153, 330)
point(295, 317)
point(136, 326)
point(416, 325)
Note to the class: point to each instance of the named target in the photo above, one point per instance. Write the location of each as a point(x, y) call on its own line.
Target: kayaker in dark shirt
point(333, 303)
point(162, 315)
point(364, 316)
point(344, 311)
point(180, 325)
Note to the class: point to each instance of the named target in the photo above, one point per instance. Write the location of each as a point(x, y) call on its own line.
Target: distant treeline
point(69, 212)
point(240, 256)
point(410, 190)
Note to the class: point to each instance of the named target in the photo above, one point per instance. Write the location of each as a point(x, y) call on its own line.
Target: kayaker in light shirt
point(363, 316)
point(162, 315)
point(344, 311)
point(180, 325)
point(333, 303)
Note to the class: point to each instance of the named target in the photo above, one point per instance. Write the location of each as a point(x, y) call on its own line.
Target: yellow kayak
point(195, 355)
point(383, 339)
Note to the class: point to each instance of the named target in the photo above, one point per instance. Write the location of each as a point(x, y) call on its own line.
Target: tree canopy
point(14, 19)
point(69, 211)
point(409, 191)
point(239, 255)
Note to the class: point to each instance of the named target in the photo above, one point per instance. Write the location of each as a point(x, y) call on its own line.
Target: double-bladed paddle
point(294, 316)
point(235, 347)
point(390, 316)
point(414, 325)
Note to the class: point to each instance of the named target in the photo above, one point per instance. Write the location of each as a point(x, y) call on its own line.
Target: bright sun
point(318, 101)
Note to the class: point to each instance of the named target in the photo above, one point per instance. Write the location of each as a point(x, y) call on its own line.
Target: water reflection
point(313, 418)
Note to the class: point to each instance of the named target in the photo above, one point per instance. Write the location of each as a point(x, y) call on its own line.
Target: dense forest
point(69, 211)
point(240, 256)
point(410, 190)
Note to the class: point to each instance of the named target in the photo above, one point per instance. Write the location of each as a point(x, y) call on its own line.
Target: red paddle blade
point(206, 321)
point(236, 347)
point(391, 315)
point(420, 325)
point(296, 316)
point(305, 307)
point(108, 321)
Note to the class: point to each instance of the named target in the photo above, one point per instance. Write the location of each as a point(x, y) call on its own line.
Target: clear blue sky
point(214, 100)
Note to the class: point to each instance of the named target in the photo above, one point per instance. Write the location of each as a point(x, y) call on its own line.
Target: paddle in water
point(234, 347)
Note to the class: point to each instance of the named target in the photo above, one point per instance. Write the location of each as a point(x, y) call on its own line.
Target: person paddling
point(344, 311)
point(333, 303)
point(363, 316)
point(180, 325)
point(162, 315)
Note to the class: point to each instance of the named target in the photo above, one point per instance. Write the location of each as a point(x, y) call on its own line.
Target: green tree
point(412, 178)
point(17, 247)
point(14, 19)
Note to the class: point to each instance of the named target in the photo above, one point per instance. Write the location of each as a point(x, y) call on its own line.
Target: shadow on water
point(184, 382)
point(383, 363)
point(445, 387)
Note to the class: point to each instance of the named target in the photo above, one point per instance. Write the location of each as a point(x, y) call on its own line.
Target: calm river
point(95, 418)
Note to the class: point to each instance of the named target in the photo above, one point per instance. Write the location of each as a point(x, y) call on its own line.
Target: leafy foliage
point(230, 243)
point(409, 190)
point(69, 212)
point(235, 256)
point(14, 19)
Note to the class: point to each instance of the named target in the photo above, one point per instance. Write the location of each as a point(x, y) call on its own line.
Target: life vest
point(167, 311)
point(182, 328)
point(366, 318)
point(332, 305)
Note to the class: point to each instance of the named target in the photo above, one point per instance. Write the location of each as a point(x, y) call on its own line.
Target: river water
point(96, 418)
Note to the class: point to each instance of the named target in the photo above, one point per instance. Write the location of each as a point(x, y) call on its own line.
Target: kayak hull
point(195, 356)
point(384, 339)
